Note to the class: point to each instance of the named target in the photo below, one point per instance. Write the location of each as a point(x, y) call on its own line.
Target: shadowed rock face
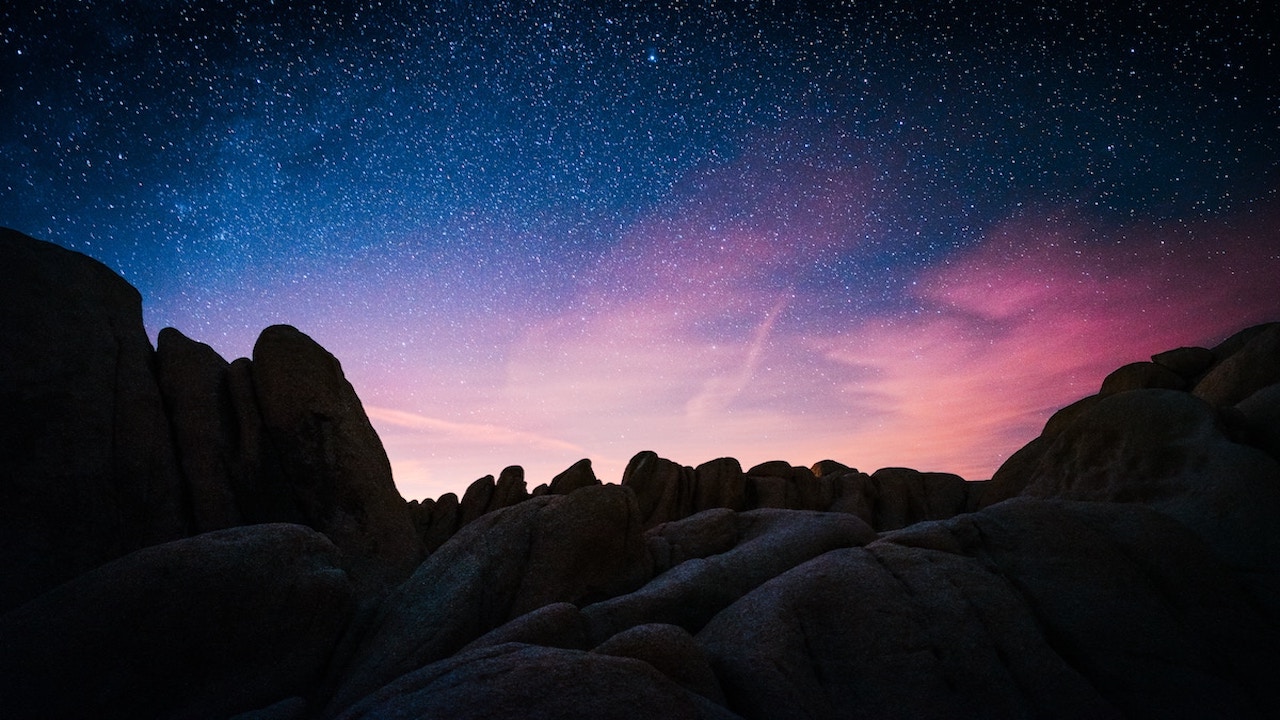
point(1122, 564)
point(564, 548)
point(194, 382)
point(201, 627)
point(1028, 608)
point(88, 467)
point(331, 457)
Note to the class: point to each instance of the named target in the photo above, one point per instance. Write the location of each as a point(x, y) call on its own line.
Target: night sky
point(883, 233)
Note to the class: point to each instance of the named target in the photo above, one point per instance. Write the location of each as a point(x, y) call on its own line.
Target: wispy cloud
point(720, 390)
point(486, 435)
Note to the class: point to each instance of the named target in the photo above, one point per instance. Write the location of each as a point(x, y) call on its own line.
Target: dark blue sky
point(440, 192)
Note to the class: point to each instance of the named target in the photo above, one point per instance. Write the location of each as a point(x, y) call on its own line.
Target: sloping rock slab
point(556, 548)
point(771, 541)
point(1027, 609)
point(198, 628)
point(514, 681)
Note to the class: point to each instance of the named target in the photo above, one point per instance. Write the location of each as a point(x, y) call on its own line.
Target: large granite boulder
point(768, 542)
point(89, 468)
point(1168, 450)
point(1028, 609)
point(202, 627)
point(574, 548)
point(527, 681)
point(1251, 367)
point(331, 457)
point(195, 385)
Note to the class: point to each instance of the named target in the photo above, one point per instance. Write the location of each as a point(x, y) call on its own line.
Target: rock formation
point(189, 537)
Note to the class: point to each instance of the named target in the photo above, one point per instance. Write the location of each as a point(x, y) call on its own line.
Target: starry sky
point(886, 233)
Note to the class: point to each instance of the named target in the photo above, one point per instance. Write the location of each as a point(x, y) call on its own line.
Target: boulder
point(1252, 367)
point(823, 468)
point(769, 542)
point(331, 457)
point(720, 484)
point(664, 490)
point(1166, 449)
point(193, 382)
point(670, 650)
point(904, 496)
point(475, 501)
point(510, 488)
point(89, 469)
point(1028, 608)
point(577, 475)
point(203, 627)
point(1141, 375)
point(445, 513)
point(557, 548)
point(515, 681)
point(1188, 362)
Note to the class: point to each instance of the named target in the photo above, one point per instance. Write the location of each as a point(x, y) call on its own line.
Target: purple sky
point(892, 233)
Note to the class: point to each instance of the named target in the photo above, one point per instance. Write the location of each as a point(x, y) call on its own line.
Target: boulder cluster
point(186, 537)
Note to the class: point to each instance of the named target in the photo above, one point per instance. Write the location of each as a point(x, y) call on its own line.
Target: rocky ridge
point(189, 537)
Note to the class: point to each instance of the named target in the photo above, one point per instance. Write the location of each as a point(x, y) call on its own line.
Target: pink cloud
point(1034, 317)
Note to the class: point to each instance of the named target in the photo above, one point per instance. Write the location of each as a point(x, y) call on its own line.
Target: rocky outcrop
point(331, 457)
point(1174, 451)
point(520, 681)
point(110, 446)
point(574, 548)
point(1122, 564)
point(89, 469)
point(202, 628)
point(888, 499)
point(1029, 608)
point(195, 385)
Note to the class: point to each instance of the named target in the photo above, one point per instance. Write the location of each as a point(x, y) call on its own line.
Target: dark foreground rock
point(1029, 608)
point(88, 467)
point(186, 537)
point(202, 628)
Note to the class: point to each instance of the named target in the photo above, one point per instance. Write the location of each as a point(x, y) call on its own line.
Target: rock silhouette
point(185, 536)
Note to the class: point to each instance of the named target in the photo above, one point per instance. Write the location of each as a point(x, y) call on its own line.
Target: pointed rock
point(193, 381)
point(510, 488)
point(577, 475)
point(475, 501)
